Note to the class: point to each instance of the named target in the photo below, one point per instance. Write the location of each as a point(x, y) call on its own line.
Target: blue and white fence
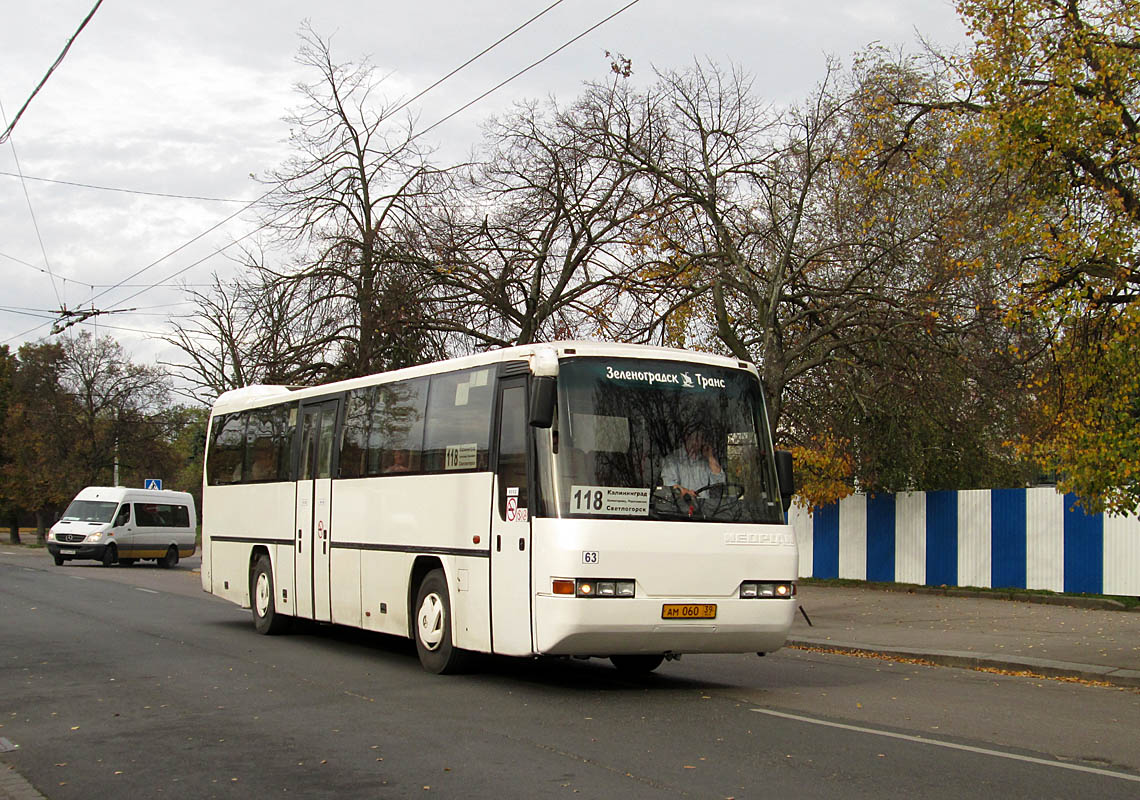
point(1017, 538)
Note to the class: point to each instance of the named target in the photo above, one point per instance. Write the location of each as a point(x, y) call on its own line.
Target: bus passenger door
point(510, 526)
point(314, 510)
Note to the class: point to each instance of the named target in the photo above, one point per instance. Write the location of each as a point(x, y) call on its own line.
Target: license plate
point(66, 552)
point(688, 611)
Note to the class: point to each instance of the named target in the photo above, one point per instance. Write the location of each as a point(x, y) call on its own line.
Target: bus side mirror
point(785, 473)
point(543, 393)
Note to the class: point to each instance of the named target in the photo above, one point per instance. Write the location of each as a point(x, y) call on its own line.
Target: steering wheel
point(737, 488)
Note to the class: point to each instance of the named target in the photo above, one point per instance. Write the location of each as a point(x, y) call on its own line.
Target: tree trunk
point(41, 526)
point(14, 529)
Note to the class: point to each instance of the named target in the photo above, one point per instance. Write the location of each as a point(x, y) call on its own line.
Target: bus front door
point(510, 527)
point(314, 511)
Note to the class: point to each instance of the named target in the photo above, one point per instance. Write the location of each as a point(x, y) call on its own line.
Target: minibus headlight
point(94, 537)
point(767, 589)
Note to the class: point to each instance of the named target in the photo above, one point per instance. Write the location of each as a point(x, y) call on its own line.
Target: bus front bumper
point(618, 626)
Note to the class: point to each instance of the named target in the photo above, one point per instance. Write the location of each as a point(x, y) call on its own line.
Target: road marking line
point(951, 745)
point(148, 591)
point(77, 577)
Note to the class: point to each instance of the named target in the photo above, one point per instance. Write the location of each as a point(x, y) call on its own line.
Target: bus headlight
point(94, 537)
point(765, 589)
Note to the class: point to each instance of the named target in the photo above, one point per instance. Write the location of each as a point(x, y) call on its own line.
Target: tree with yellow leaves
point(1056, 94)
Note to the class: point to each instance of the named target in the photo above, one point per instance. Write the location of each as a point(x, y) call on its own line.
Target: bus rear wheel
point(266, 619)
point(431, 621)
point(637, 664)
point(170, 559)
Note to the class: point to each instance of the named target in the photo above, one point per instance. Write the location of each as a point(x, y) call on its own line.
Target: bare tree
point(804, 239)
point(535, 243)
point(349, 199)
point(120, 404)
point(256, 328)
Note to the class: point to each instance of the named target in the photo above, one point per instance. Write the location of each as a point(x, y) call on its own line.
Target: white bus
point(536, 500)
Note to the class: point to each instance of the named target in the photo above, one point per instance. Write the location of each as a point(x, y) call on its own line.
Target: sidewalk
point(1050, 640)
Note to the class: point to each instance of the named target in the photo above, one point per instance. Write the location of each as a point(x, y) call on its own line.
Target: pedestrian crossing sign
point(152, 483)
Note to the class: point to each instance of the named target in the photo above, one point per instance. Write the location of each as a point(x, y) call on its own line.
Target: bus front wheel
point(266, 619)
point(432, 625)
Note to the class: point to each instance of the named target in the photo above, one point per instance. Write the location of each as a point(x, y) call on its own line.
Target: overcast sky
point(187, 99)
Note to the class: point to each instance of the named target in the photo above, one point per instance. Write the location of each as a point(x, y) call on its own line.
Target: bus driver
point(692, 466)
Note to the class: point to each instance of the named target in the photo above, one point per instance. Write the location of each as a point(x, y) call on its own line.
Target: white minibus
point(114, 524)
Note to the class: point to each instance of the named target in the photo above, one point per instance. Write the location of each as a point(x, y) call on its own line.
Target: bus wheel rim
point(429, 621)
point(262, 594)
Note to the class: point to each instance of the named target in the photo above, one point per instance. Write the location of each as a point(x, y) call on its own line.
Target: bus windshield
point(89, 511)
point(641, 439)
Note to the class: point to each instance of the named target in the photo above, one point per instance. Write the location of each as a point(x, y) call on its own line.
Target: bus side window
point(458, 426)
point(227, 447)
point(512, 447)
point(357, 432)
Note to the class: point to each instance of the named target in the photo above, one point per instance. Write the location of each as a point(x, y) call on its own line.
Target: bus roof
point(258, 395)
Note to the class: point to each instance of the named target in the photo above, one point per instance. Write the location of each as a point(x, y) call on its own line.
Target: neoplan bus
point(535, 500)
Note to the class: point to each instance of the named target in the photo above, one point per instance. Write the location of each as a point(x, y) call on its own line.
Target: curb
point(1124, 678)
point(13, 785)
point(1073, 601)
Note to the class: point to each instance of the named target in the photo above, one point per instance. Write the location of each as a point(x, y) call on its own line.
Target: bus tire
point(431, 622)
point(637, 663)
point(110, 555)
point(266, 619)
point(170, 559)
point(59, 560)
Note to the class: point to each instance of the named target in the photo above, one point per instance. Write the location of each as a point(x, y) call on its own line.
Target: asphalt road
point(133, 683)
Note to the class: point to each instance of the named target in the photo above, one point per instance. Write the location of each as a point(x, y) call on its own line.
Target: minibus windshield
point(89, 511)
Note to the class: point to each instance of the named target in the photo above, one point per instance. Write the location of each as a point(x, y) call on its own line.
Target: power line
point(262, 197)
point(59, 60)
point(126, 191)
point(528, 68)
point(190, 266)
point(462, 108)
point(31, 210)
point(474, 58)
point(65, 280)
point(184, 245)
point(30, 312)
point(25, 333)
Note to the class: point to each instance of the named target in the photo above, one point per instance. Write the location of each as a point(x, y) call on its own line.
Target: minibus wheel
point(110, 555)
point(59, 560)
point(431, 621)
point(170, 559)
point(261, 600)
